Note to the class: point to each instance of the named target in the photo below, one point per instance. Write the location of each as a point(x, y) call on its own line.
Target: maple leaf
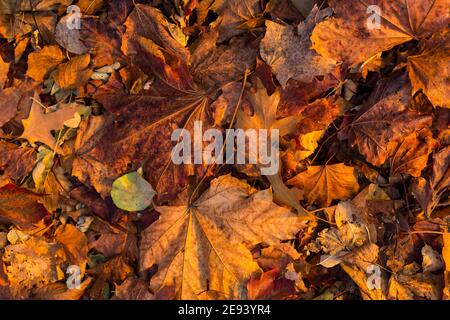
point(20, 207)
point(146, 123)
point(38, 126)
point(323, 184)
point(348, 38)
point(430, 70)
point(290, 55)
point(204, 242)
point(385, 119)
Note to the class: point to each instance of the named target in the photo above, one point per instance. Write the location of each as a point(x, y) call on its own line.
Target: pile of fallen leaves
point(89, 193)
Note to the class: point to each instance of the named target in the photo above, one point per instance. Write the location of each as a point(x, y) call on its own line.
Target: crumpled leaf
point(323, 184)
point(33, 263)
point(432, 260)
point(290, 55)
point(413, 287)
point(206, 240)
point(131, 192)
point(69, 38)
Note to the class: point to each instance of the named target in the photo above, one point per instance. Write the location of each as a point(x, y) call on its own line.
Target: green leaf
point(131, 192)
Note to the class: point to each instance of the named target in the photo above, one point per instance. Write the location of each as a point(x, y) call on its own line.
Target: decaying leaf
point(290, 54)
point(430, 70)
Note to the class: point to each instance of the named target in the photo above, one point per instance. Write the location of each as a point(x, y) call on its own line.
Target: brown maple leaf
point(203, 244)
point(348, 38)
point(385, 119)
point(323, 184)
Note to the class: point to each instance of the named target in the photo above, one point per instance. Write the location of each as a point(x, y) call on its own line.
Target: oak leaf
point(203, 243)
point(38, 126)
